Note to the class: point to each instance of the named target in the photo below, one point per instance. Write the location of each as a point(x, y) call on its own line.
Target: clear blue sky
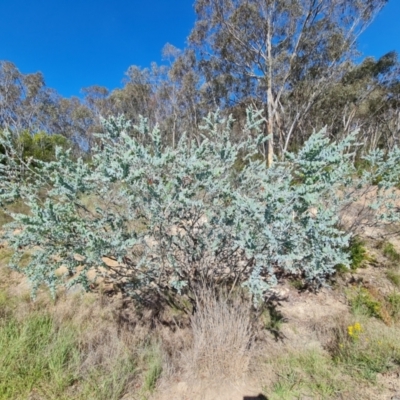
point(78, 43)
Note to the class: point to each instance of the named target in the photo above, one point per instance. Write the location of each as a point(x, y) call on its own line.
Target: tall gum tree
point(266, 49)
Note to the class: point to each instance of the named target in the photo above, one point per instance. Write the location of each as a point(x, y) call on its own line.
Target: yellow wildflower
point(350, 330)
point(354, 330)
point(357, 327)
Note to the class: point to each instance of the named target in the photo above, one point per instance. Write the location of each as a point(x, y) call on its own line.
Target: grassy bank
point(309, 345)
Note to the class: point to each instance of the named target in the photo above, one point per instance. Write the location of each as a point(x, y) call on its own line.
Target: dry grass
point(70, 348)
point(308, 374)
point(222, 338)
point(349, 361)
point(365, 347)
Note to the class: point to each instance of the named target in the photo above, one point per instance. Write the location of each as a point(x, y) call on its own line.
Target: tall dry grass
point(222, 337)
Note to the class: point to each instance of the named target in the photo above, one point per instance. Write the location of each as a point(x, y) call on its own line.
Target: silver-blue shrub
point(171, 218)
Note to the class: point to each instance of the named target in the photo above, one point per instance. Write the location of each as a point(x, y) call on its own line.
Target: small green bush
point(358, 253)
point(390, 252)
point(341, 269)
point(394, 277)
point(394, 300)
point(298, 283)
point(363, 302)
point(40, 146)
point(358, 256)
point(273, 320)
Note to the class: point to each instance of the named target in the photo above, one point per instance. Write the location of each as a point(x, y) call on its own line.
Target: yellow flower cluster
point(354, 330)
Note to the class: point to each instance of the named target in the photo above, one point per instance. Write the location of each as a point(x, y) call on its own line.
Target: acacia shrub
point(173, 218)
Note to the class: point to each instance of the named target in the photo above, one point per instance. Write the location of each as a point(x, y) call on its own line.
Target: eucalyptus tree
point(96, 99)
point(379, 114)
point(166, 95)
point(23, 99)
point(363, 99)
point(181, 92)
point(28, 106)
point(265, 49)
point(134, 98)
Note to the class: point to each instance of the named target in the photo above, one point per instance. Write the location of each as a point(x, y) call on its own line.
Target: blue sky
point(78, 43)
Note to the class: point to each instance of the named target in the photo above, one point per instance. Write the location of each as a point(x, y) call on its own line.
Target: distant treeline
point(297, 60)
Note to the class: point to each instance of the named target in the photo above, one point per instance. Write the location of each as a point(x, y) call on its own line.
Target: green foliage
point(308, 373)
point(358, 253)
point(390, 252)
point(272, 320)
point(241, 161)
point(369, 362)
point(374, 349)
point(21, 156)
point(394, 300)
point(33, 353)
point(174, 217)
point(394, 277)
point(40, 146)
point(154, 362)
point(46, 355)
point(299, 283)
point(108, 381)
point(363, 302)
point(341, 269)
